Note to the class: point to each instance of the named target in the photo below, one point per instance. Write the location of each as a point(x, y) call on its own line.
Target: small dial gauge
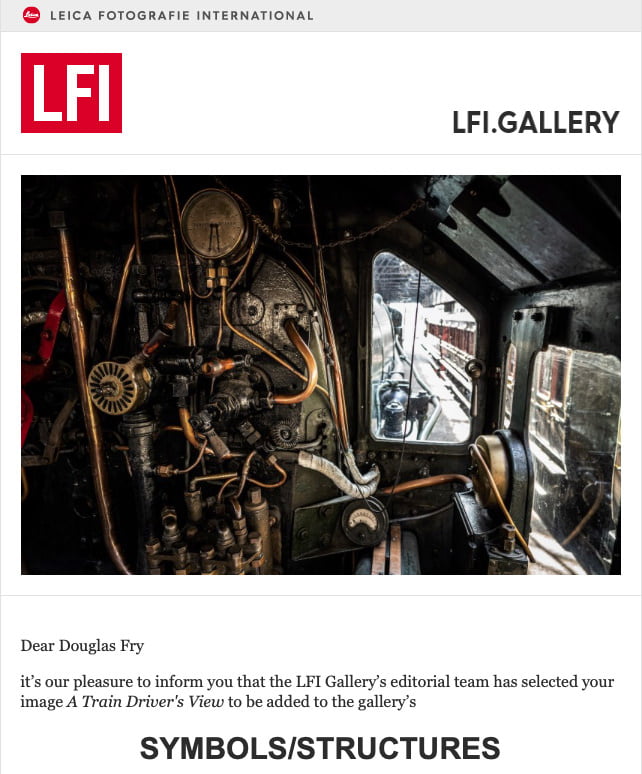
point(365, 522)
point(213, 225)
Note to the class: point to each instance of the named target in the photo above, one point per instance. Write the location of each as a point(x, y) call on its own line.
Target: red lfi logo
point(72, 93)
point(31, 14)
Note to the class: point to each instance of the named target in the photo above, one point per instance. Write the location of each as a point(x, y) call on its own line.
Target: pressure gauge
point(365, 522)
point(213, 225)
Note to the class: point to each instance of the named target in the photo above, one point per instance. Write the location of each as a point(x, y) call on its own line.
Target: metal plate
point(486, 252)
point(539, 238)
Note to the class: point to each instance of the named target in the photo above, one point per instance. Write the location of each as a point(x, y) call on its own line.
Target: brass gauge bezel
point(494, 453)
point(214, 226)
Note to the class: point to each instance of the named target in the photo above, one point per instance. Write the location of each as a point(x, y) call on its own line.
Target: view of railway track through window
point(416, 322)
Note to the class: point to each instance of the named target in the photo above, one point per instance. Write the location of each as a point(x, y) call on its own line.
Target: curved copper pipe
point(119, 300)
point(195, 463)
point(283, 479)
point(237, 513)
point(262, 484)
point(219, 496)
point(188, 430)
point(248, 258)
point(421, 483)
point(310, 364)
point(476, 453)
point(339, 405)
point(587, 516)
point(245, 470)
point(258, 345)
point(89, 411)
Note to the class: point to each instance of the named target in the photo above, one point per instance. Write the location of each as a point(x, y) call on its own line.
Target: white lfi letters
point(74, 93)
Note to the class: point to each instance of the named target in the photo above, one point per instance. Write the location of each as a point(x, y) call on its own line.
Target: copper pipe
point(325, 308)
point(283, 479)
point(313, 217)
point(90, 413)
point(476, 453)
point(188, 430)
point(190, 300)
point(421, 483)
point(172, 202)
point(219, 496)
point(138, 248)
point(280, 482)
point(212, 477)
point(237, 513)
point(310, 364)
point(189, 309)
point(248, 258)
point(119, 300)
point(123, 286)
point(587, 516)
point(339, 414)
point(260, 346)
point(195, 463)
point(207, 295)
point(219, 333)
point(25, 485)
point(339, 420)
point(245, 470)
point(273, 355)
point(339, 388)
point(162, 334)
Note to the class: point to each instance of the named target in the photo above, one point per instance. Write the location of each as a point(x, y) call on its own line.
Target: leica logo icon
point(72, 93)
point(31, 15)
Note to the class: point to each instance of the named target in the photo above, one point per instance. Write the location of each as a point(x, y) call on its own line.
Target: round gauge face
point(362, 516)
point(213, 224)
point(365, 522)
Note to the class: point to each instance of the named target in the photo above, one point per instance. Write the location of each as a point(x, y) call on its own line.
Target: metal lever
point(474, 369)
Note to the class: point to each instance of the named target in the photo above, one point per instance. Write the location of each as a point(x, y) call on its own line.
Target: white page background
point(367, 104)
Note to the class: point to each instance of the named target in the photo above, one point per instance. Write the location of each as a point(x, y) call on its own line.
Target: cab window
point(421, 340)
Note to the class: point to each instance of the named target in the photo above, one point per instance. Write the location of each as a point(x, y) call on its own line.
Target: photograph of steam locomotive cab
point(370, 375)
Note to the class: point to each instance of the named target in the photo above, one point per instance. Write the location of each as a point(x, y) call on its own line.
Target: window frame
point(475, 309)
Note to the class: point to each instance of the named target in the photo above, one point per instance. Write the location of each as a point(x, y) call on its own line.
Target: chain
point(279, 240)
